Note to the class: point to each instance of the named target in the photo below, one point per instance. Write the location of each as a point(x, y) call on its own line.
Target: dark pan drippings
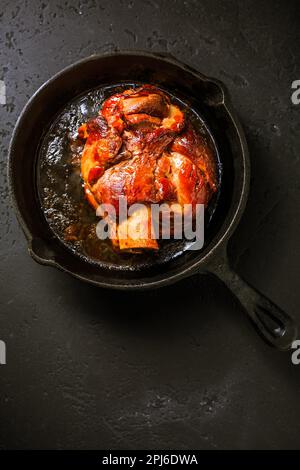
point(61, 193)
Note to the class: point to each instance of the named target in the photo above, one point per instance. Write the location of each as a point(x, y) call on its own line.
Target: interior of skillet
point(72, 86)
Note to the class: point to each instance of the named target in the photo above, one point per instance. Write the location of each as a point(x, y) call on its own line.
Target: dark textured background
point(179, 367)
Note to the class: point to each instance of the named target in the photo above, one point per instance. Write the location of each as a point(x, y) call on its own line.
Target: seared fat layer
point(141, 147)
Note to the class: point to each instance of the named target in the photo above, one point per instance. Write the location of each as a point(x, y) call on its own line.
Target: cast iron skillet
point(205, 93)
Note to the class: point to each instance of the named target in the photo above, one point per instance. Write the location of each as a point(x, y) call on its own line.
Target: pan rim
point(221, 240)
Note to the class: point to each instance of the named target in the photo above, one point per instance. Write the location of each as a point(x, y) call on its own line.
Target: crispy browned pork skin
point(141, 147)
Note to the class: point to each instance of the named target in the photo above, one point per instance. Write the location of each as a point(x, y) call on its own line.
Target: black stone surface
point(179, 367)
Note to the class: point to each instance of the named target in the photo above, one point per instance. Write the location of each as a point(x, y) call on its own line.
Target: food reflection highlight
point(146, 224)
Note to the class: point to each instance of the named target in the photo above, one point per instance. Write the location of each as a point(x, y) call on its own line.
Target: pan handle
point(272, 323)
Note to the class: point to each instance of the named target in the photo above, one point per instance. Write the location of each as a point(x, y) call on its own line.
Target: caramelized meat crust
point(140, 146)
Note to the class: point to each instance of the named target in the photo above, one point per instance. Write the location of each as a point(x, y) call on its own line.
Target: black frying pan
point(206, 94)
